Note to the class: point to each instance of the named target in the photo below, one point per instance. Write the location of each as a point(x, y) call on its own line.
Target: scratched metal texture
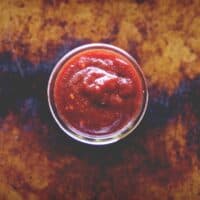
point(160, 160)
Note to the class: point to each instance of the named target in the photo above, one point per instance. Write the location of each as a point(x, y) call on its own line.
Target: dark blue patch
point(159, 108)
point(6, 63)
point(162, 107)
point(29, 107)
point(27, 94)
point(194, 96)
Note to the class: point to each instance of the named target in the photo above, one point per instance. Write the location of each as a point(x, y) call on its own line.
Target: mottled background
point(161, 160)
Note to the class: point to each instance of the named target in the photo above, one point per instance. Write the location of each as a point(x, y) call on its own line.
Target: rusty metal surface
point(160, 161)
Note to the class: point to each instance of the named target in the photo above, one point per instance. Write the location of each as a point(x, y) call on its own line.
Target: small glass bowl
point(95, 139)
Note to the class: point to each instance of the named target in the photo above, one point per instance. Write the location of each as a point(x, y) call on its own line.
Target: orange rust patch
point(27, 170)
point(156, 163)
point(160, 165)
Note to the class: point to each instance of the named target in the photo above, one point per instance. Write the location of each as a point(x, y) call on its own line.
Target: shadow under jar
point(97, 94)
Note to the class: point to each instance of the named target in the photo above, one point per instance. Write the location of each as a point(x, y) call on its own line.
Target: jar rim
point(95, 139)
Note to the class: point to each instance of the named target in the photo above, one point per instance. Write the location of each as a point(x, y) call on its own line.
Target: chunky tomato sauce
point(98, 92)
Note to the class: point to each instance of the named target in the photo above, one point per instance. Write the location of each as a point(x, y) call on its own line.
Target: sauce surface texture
point(98, 92)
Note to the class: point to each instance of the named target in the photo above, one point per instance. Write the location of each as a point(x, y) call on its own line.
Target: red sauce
point(98, 92)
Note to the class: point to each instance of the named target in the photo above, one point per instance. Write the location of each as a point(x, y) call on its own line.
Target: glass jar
point(96, 139)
